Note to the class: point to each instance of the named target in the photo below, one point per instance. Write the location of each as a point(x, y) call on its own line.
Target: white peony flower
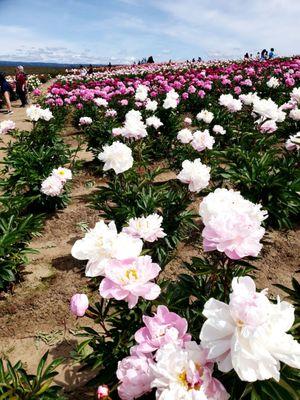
point(141, 93)
point(195, 174)
point(249, 334)
point(85, 121)
point(273, 83)
point(64, 174)
point(6, 126)
point(171, 99)
point(151, 105)
point(202, 140)
point(295, 95)
point(185, 374)
point(103, 243)
point(268, 109)
point(188, 121)
point(219, 130)
point(293, 143)
point(205, 116)
point(295, 114)
point(232, 105)
point(146, 228)
point(34, 113)
point(118, 157)
point(100, 102)
point(249, 98)
point(185, 136)
point(154, 121)
point(133, 127)
point(52, 186)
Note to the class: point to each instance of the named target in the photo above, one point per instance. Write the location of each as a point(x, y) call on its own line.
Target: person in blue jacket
point(5, 90)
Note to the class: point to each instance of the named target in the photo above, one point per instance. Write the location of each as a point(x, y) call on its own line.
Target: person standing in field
point(21, 85)
point(271, 53)
point(5, 90)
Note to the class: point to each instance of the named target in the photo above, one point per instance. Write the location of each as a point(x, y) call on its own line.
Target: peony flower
point(164, 327)
point(79, 304)
point(185, 136)
point(249, 334)
point(232, 224)
point(52, 186)
point(268, 127)
point(103, 243)
point(219, 130)
point(295, 114)
point(249, 98)
point(273, 83)
point(130, 279)
point(133, 126)
point(185, 373)
point(111, 113)
point(151, 105)
point(141, 93)
point(83, 121)
point(202, 140)
point(34, 113)
point(293, 143)
point(135, 376)
point(100, 102)
point(171, 99)
point(147, 228)
point(232, 105)
point(187, 121)
point(295, 95)
point(117, 156)
point(205, 116)
point(64, 174)
point(6, 126)
point(268, 109)
point(154, 121)
point(195, 174)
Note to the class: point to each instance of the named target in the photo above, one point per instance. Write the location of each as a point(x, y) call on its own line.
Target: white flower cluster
point(134, 126)
point(54, 184)
point(34, 113)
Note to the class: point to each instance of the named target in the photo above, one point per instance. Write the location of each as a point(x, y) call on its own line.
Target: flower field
point(177, 194)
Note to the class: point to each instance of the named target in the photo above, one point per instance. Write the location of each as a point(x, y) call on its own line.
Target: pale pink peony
point(130, 279)
point(84, 121)
point(185, 136)
point(79, 304)
point(165, 327)
point(147, 228)
point(135, 377)
point(249, 334)
point(232, 224)
point(202, 140)
point(268, 127)
point(6, 126)
point(102, 392)
point(52, 186)
point(195, 174)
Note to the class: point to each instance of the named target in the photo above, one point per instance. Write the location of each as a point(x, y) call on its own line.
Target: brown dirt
point(36, 317)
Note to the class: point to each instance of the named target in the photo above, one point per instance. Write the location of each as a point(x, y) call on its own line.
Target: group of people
point(6, 89)
point(263, 55)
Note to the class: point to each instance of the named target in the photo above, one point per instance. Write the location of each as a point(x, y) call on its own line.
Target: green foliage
point(16, 383)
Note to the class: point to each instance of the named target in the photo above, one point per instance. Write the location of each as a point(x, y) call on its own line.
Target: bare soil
point(36, 317)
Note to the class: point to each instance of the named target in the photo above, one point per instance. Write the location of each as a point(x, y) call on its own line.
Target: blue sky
point(99, 31)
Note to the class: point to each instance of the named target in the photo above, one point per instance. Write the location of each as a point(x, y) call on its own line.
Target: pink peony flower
point(135, 375)
point(268, 127)
point(164, 327)
point(130, 279)
point(232, 224)
point(102, 392)
point(79, 304)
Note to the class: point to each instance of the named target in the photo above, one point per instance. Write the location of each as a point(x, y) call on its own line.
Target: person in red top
point(21, 85)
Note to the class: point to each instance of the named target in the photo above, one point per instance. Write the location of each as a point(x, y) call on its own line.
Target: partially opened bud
point(79, 304)
point(102, 392)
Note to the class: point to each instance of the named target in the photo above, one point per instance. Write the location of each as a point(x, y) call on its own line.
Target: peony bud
point(79, 304)
point(102, 392)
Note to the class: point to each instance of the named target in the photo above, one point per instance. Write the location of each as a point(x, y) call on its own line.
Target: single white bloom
point(64, 174)
point(202, 140)
point(205, 116)
point(273, 83)
point(118, 157)
point(249, 334)
point(219, 130)
point(146, 228)
point(171, 99)
point(295, 114)
point(185, 136)
point(141, 93)
point(151, 105)
point(154, 121)
point(195, 174)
